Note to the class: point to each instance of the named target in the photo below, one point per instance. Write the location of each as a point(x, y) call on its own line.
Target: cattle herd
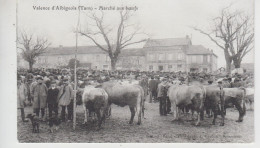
point(176, 93)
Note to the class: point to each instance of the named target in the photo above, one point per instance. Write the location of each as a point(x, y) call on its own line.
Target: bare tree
point(31, 47)
point(244, 40)
point(116, 38)
point(232, 32)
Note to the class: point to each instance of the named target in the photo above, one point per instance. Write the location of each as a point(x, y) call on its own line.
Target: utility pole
point(75, 72)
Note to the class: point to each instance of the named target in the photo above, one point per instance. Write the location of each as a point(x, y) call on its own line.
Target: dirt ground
point(154, 129)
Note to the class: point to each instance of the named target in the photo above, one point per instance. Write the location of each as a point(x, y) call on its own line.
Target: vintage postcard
point(135, 71)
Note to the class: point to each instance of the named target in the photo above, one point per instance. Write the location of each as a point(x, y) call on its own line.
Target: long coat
point(65, 95)
point(22, 95)
point(160, 90)
point(52, 97)
point(33, 84)
point(153, 85)
point(39, 93)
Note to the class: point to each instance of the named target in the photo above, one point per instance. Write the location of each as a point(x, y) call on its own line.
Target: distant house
point(201, 59)
point(248, 67)
point(178, 54)
point(166, 54)
point(173, 54)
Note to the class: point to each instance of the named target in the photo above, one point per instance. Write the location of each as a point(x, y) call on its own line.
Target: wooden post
point(75, 74)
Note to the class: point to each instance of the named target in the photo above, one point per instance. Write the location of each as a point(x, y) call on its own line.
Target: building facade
point(174, 54)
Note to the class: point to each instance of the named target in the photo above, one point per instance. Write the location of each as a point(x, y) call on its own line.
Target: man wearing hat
point(65, 98)
point(220, 84)
point(162, 94)
point(22, 95)
point(52, 99)
point(152, 87)
point(39, 93)
point(236, 83)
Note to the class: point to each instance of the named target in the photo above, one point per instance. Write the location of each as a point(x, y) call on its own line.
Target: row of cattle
point(99, 99)
point(211, 98)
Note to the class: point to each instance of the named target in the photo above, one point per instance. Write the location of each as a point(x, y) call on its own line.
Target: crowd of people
point(54, 88)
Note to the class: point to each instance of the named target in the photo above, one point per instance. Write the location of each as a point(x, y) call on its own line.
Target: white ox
point(184, 95)
point(126, 95)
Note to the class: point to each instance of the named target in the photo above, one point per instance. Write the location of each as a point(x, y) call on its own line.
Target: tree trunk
point(113, 64)
point(228, 66)
point(228, 62)
point(237, 62)
point(30, 66)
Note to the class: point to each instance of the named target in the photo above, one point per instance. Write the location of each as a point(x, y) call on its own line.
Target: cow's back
point(213, 95)
point(234, 92)
point(123, 94)
point(179, 95)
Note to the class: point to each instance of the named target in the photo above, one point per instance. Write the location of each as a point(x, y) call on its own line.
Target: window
point(205, 69)
point(105, 66)
point(180, 56)
point(194, 69)
point(39, 60)
point(107, 58)
point(179, 67)
point(199, 59)
point(169, 66)
point(205, 59)
point(151, 57)
point(150, 67)
point(193, 59)
point(189, 59)
point(169, 56)
point(161, 57)
point(59, 59)
point(160, 68)
point(97, 57)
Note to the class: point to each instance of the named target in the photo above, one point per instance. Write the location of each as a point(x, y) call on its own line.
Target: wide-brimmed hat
point(65, 79)
point(53, 82)
point(220, 82)
point(39, 78)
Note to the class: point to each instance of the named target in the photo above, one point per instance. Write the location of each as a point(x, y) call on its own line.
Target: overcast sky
point(159, 18)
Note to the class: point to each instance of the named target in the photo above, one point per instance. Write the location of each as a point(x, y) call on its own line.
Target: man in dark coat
point(153, 84)
point(52, 99)
point(162, 96)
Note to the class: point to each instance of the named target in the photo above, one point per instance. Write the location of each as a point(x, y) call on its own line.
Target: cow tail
point(243, 100)
point(141, 95)
point(222, 100)
point(142, 102)
point(204, 98)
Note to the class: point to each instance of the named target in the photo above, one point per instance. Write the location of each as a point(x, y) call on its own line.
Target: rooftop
point(198, 49)
point(167, 42)
point(71, 50)
point(91, 50)
point(160, 44)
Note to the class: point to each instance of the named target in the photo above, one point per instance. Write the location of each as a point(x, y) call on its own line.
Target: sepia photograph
point(135, 71)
